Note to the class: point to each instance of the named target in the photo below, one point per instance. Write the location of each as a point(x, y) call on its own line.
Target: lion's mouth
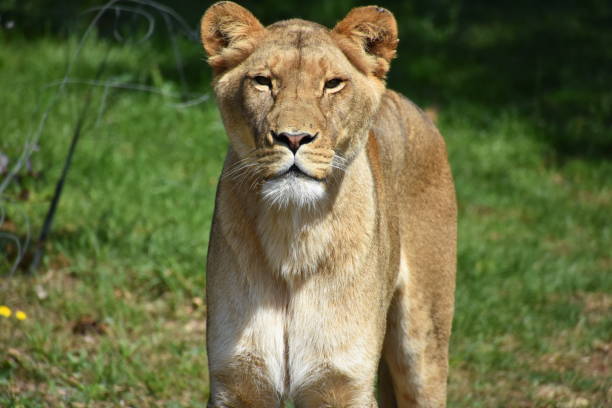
point(295, 171)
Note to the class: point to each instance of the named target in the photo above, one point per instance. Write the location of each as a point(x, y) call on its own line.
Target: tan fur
point(314, 275)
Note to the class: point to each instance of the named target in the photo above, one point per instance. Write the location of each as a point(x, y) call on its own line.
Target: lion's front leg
point(243, 384)
point(336, 391)
point(245, 357)
point(244, 335)
point(416, 343)
point(334, 347)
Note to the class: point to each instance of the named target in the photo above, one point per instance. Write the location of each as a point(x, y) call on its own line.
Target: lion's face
point(296, 99)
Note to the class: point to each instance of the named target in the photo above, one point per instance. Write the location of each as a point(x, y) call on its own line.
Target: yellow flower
point(5, 311)
point(20, 315)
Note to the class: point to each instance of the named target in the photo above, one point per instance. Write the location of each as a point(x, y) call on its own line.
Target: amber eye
point(262, 80)
point(333, 83)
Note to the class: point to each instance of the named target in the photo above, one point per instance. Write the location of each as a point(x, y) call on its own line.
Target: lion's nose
point(294, 140)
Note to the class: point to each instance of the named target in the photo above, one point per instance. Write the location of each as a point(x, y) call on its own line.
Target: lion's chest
point(293, 247)
point(304, 341)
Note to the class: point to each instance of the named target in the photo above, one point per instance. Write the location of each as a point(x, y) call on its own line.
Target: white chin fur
point(292, 190)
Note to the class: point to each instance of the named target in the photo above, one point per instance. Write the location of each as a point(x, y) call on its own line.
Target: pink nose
point(294, 140)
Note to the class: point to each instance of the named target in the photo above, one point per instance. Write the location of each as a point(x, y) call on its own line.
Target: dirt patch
point(561, 394)
point(596, 302)
point(88, 325)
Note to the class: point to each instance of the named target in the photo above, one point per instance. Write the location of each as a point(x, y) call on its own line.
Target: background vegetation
point(115, 314)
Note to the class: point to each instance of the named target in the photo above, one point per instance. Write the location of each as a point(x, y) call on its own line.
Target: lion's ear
point(368, 37)
point(229, 34)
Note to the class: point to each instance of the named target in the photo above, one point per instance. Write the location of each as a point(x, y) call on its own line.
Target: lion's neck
point(302, 241)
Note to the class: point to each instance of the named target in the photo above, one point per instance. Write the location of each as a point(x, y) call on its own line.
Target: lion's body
point(305, 296)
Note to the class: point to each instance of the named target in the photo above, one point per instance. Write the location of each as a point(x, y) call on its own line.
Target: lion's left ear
point(229, 34)
point(368, 37)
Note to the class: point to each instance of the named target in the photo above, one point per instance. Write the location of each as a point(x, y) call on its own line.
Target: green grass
point(115, 314)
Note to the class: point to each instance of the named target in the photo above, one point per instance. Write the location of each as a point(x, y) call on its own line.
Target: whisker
point(339, 162)
point(240, 165)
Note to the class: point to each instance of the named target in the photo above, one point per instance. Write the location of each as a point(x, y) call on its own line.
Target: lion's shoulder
point(404, 142)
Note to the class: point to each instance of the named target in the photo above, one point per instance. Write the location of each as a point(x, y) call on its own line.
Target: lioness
point(334, 234)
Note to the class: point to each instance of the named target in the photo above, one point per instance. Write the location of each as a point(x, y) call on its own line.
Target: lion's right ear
point(229, 34)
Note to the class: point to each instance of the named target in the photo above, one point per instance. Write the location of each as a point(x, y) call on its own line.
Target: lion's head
point(297, 98)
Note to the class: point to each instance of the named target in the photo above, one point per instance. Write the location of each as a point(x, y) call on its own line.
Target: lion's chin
point(292, 190)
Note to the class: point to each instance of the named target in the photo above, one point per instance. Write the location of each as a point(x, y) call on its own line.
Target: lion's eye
point(264, 81)
point(333, 83)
